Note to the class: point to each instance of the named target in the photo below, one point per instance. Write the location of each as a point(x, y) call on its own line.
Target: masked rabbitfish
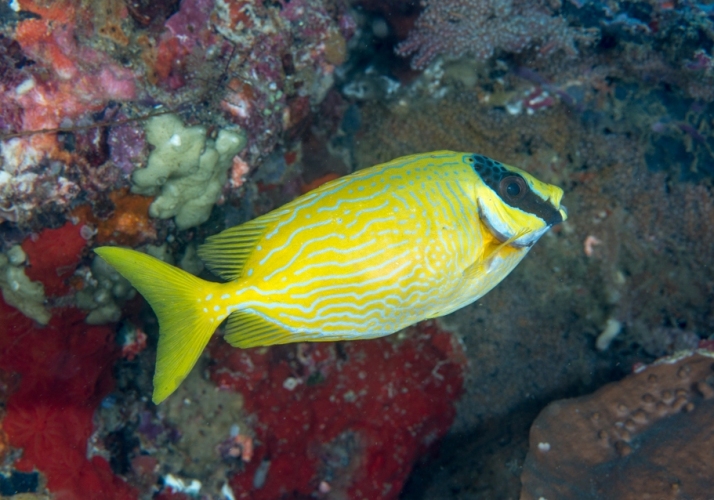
point(360, 257)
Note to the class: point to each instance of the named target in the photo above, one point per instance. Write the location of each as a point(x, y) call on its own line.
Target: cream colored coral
point(185, 169)
point(17, 289)
point(104, 291)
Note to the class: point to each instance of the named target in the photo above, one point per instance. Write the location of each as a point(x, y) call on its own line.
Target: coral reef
point(18, 290)
point(66, 370)
point(207, 419)
point(456, 27)
point(198, 439)
point(53, 82)
point(278, 71)
point(71, 99)
point(221, 110)
point(638, 438)
point(230, 433)
point(188, 170)
point(348, 418)
point(126, 223)
point(648, 41)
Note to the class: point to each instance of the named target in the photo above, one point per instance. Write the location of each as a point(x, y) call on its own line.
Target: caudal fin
point(175, 297)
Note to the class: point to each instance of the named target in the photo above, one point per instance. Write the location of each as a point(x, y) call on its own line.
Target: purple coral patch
point(191, 19)
point(127, 147)
point(454, 28)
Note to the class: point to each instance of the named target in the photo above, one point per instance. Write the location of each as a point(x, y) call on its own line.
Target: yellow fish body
point(362, 256)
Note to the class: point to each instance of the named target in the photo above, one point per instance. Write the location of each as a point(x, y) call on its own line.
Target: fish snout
point(563, 211)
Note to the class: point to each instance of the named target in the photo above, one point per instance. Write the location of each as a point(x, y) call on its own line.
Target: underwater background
point(586, 374)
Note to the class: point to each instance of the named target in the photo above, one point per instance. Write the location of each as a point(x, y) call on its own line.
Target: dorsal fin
point(225, 253)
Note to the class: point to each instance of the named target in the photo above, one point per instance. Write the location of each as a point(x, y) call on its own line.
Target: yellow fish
point(360, 257)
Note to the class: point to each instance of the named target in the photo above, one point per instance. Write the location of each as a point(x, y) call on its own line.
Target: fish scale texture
point(368, 254)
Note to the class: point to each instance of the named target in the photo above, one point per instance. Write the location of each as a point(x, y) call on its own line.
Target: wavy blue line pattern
point(371, 253)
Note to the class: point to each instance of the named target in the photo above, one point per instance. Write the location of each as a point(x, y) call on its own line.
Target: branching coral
point(454, 28)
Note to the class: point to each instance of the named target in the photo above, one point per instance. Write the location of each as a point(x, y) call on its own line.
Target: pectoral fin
point(482, 265)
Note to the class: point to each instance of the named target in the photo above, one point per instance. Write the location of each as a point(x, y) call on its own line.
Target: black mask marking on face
point(513, 189)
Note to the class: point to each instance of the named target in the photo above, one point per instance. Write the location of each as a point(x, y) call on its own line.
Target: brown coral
point(646, 436)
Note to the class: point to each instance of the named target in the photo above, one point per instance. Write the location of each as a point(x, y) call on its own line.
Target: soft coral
point(54, 255)
point(66, 371)
point(359, 417)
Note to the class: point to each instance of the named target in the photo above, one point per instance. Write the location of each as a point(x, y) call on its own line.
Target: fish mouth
point(563, 211)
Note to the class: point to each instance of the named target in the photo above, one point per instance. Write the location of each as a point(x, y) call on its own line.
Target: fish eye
point(513, 187)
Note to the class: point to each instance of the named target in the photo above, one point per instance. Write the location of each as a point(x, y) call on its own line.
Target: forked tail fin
point(175, 297)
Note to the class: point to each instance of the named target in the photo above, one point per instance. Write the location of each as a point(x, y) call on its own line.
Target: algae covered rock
point(646, 436)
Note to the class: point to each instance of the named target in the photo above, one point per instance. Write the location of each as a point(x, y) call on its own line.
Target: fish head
point(515, 206)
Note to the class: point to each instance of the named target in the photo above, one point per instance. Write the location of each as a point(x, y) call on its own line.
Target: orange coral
point(239, 101)
point(239, 14)
point(239, 170)
point(110, 13)
point(129, 225)
point(38, 33)
point(61, 11)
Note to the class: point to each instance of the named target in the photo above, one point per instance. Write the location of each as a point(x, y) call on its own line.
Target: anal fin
point(246, 329)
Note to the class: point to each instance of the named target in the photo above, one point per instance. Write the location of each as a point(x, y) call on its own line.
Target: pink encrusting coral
point(68, 67)
point(187, 34)
point(453, 28)
point(54, 82)
point(85, 79)
point(286, 54)
point(351, 418)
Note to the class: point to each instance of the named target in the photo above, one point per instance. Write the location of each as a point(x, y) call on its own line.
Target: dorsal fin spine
point(225, 253)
